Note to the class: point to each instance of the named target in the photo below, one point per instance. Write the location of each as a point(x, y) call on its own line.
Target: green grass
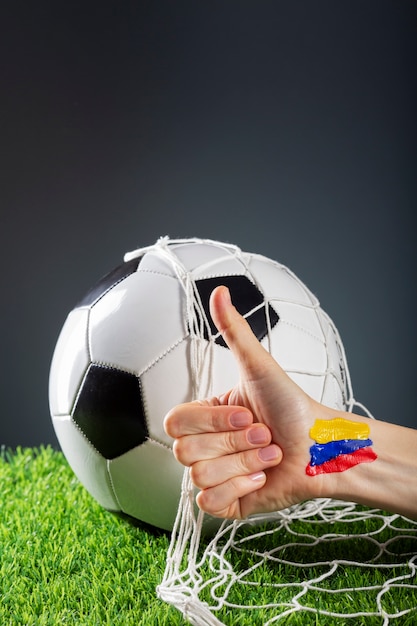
point(64, 560)
point(307, 550)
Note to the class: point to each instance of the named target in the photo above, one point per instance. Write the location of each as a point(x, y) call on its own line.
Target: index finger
point(194, 418)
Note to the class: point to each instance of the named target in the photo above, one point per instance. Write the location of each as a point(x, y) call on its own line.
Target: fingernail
point(270, 453)
point(257, 435)
point(259, 476)
point(240, 419)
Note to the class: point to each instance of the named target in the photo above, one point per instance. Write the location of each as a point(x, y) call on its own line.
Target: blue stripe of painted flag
point(322, 452)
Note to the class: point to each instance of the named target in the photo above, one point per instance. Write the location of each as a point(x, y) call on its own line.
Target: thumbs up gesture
point(248, 449)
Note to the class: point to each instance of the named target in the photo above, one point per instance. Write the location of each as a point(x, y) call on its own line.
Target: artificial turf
point(64, 560)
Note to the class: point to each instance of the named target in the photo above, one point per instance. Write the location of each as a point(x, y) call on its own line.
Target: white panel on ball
point(297, 351)
point(144, 320)
point(156, 264)
point(278, 283)
point(303, 318)
point(332, 393)
point(199, 256)
point(88, 465)
point(333, 350)
point(147, 482)
point(224, 374)
point(69, 362)
point(223, 267)
point(165, 384)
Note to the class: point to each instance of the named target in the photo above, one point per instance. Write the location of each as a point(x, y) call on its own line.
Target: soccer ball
point(142, 341)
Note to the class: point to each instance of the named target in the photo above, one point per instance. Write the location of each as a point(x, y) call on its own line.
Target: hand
point(248, 449)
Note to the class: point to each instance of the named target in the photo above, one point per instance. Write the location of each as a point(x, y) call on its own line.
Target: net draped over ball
point(142, 341)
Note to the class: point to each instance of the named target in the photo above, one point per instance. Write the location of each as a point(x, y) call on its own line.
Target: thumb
point(236, 332)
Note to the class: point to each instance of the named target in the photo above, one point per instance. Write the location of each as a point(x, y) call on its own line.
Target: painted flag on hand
point(339, 445)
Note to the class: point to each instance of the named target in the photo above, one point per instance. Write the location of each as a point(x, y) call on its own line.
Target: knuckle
point(206, 402)
point(226, 506)
point(244, 463)
point(172, 423)
point(229, 442)
point(207, 502)
point(215, 420)
point(199, 475)
point(180, 451)
point(204, 501)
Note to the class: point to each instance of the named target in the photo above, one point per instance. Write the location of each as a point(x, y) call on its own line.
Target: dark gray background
point(286, 127)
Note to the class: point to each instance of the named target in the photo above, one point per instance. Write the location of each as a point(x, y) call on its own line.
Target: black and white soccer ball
point(142, 341)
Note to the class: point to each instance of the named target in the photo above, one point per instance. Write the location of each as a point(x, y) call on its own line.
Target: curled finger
point(206, 474)
point(224, 500)
point(191, 449)
point(194, 418)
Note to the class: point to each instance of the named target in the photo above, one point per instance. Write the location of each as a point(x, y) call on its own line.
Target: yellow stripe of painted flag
point(339, 428)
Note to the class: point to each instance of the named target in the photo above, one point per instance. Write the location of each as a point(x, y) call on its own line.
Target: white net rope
point(326, 558)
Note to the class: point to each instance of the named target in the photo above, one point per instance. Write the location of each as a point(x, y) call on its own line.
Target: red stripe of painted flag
point(343, 462)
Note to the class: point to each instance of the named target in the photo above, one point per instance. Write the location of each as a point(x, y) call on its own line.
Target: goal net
point(320, 560)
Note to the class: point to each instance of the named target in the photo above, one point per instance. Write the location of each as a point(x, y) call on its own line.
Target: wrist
point(387, 479)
